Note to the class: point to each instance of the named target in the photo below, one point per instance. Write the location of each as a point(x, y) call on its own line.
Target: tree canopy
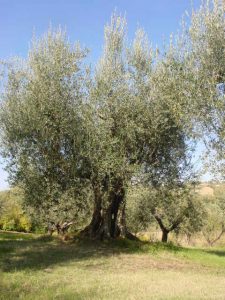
point(76, 137)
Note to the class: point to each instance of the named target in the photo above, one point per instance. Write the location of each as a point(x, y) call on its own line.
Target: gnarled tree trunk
point(109, 221)
point(97, 220)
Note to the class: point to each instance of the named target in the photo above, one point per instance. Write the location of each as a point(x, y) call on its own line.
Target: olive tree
point(214, 220)
point(66, 131)
point(172, 206)
point(214, 225)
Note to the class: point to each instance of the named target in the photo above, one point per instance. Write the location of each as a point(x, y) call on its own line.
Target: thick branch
point(172, 227)
point(161, 225)
point(176, 224)
point(211, 242)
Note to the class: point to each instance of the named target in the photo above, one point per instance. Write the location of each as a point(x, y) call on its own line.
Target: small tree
point(194, 223)
point(167, 193)
point(214, 221)
point(170, 206)
point(174, 206)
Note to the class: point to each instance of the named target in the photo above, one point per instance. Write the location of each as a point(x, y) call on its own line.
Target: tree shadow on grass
point(42, 253)
point(37, 254)
point(220, 253)
point(45, 252)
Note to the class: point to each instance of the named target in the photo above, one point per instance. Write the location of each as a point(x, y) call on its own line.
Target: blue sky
point(84, 20)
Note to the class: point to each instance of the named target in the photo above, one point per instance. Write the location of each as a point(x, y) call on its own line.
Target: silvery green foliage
point(214, 220)
point(208, 40)
point(207, 34)
point(206, 45)
point(194, 70)
point(175, 207)
point(42, 122)
point(136, 115)
point(64, 130)
point(139, 217)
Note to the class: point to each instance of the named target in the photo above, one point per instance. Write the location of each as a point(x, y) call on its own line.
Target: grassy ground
point(35, 267)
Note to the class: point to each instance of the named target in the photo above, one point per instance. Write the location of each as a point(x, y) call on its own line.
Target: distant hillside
point(210, 189)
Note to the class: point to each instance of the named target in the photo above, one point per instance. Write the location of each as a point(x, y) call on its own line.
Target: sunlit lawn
point(35, 267)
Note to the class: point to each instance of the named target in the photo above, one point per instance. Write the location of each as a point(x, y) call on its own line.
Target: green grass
point(38, 267)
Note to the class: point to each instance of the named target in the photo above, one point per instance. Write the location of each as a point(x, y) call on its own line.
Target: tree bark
point(109, 225)
point(108, 222)
point(165, 231)
point(165, 236)
point(97, 220)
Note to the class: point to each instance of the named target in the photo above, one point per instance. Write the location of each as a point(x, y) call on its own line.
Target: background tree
point(12, 215)
point(170, 206)
point(167, 195)
point(214, 219)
